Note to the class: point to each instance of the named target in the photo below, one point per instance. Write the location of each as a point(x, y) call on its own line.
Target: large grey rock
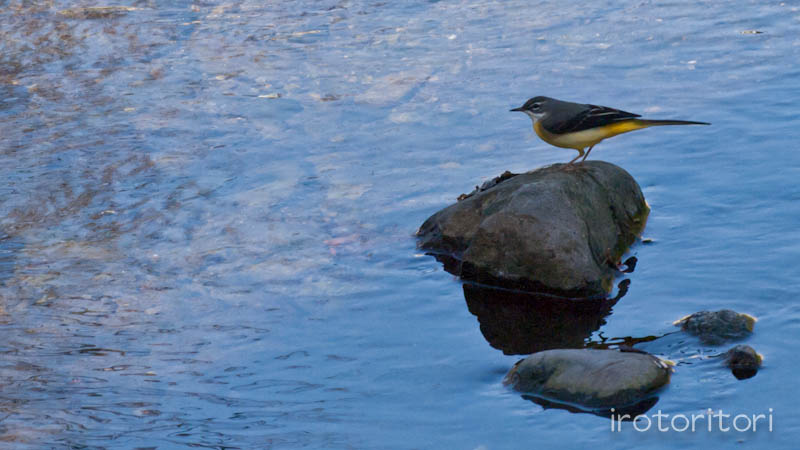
point(550, 230)
point(716, 327)
point(590, 378)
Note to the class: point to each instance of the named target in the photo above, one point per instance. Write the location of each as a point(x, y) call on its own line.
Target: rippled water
point(206, 229)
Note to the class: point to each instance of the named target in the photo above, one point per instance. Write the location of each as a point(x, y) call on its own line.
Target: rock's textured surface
point(716, 327)
point(555, 230)
point(590, 378)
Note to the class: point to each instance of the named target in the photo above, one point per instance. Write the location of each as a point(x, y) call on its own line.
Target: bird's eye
point(536, 106)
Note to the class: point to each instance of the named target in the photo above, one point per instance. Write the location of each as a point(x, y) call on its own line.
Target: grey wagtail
point(578, 126)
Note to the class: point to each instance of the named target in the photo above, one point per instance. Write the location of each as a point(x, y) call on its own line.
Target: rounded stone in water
point(590, 378)
point(550, 230)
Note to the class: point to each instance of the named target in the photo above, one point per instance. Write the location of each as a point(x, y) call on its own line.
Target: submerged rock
point(96, 12)
point(594, 379)
point(743, 361)
point(553, 230)
point(716, 327)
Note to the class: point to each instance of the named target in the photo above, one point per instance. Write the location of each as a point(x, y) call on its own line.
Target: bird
point(579, 126)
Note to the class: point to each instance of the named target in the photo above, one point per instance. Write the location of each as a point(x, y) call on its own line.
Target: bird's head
point(535, 108)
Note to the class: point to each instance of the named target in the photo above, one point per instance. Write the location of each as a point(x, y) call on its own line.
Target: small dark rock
point(743, 361)
point(716, 327)
point(551, 230)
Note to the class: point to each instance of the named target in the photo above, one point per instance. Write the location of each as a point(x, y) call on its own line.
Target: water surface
point(206, 229)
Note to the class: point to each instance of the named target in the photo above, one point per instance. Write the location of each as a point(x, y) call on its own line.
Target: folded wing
point(592, 116)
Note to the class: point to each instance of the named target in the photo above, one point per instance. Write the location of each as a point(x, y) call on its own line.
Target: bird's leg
point(587, 153)
point(580, 153)
point(569, 167)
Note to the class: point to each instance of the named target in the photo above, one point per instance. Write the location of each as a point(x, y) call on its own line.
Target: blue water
point(206, 226)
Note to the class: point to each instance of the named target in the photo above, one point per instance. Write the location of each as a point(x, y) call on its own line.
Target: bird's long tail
point(655, 123)
point(624, 126)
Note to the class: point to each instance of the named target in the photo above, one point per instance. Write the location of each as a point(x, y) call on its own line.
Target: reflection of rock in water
point(520, 323)
point(627, 413)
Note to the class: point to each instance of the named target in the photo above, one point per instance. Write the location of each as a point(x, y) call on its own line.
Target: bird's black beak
point(518, 109)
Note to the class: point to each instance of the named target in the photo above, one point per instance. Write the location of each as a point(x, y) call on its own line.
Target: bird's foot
point(574, 167)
